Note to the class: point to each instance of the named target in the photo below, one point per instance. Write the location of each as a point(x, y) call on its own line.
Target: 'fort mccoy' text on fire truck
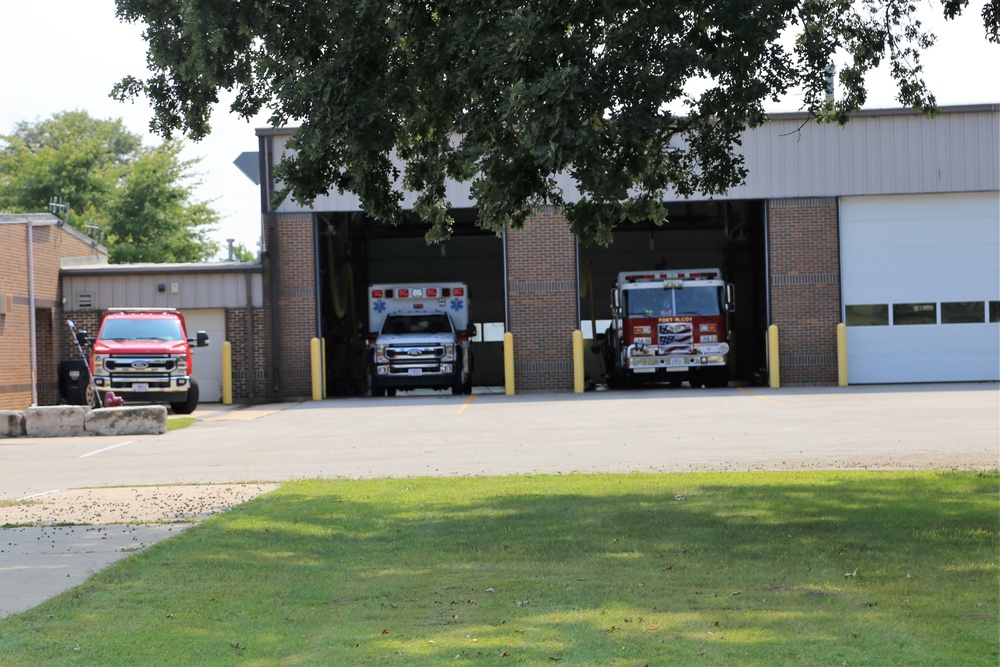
point(669, 326)
point(419, 337)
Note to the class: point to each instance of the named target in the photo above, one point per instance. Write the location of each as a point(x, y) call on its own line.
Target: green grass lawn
point(821, 568)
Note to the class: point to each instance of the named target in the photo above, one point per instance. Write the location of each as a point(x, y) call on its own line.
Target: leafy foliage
point(511, 95)
point(143, 198)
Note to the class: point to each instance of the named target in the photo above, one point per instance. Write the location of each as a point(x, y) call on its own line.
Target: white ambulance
point(418, 334)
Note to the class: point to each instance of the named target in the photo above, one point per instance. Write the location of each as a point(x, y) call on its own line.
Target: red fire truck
point(669, 326)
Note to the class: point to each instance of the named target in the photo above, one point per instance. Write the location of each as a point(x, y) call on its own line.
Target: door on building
point(921, 283)
point(207, 360)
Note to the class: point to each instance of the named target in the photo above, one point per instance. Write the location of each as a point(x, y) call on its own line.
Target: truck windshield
point(416, 324)
point(658, 302)
point(142, 329)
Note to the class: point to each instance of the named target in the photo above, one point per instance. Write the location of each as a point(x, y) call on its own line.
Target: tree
point(509, 94)
point(141, 197)
point(153, 217)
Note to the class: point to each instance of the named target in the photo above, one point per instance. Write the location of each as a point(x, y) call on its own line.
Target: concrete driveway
point(652, 430)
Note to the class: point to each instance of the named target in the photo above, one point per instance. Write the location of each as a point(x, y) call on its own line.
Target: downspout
point(506, 291)
point(251, 371)
point(267, 147)
point(33, 338)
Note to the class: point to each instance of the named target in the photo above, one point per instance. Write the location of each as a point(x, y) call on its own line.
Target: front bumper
point(145, 388)
point(673, 363)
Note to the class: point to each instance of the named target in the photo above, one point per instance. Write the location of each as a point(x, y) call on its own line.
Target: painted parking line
point(763, 398)
point(466, 404)
point(98, 451)
point(38, 495)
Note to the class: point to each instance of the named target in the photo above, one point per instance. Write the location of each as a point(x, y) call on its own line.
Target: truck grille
point(141, 365)
point(415, 353)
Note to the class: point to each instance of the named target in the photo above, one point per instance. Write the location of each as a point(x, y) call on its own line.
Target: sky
point(65, 55)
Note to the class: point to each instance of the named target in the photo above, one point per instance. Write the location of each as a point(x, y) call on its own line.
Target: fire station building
point(890, 224)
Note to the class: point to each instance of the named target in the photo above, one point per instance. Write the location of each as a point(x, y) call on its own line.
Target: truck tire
point(190, 404)
point(376, 390)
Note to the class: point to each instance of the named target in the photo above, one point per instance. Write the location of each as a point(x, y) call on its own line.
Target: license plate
point(677, 361)
point(416, 371)
point(140, 386)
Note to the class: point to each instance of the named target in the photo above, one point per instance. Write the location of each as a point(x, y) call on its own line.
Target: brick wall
point(291, 255)
point(51, 243)
point(249, 357)
point(804, 253)
point(542, 301)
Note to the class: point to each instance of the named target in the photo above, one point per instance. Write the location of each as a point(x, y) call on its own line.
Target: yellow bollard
point(227, 373)
point(578, 361)
point(774, 368)
point(315, 364)
point(508, 363)
point(842, 354)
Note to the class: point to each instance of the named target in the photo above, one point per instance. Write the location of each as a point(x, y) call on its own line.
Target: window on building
point(994, 311)
point(963, 312)
point(869, 315)
point(914, 313)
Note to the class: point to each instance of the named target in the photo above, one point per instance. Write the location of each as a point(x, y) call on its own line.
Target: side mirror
point(730, 298)
point(473, 331)
point(201, 340)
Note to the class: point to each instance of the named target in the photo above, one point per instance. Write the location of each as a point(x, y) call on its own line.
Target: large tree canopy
point(142, 198)
point(509, 94)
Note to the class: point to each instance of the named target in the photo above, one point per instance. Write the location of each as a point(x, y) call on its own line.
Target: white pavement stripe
point(98, 451)
point(38, 495)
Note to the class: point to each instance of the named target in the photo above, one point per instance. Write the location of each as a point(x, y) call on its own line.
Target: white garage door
point(208, 360)
point(921, 285)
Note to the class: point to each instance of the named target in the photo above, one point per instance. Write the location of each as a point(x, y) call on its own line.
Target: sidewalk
point(55, 541)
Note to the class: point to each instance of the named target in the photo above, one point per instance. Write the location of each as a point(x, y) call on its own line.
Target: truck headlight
point(449, 352)
point(99, 360)
point(723, 348)
point(380, 357)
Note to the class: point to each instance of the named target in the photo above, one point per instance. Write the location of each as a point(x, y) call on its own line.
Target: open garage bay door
point(724, 235)
point(921, 282)
point(355, 251)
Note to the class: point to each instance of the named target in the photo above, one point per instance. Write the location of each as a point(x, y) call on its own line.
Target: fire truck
point(669, 326)
point(144, 356)
point(418, 336)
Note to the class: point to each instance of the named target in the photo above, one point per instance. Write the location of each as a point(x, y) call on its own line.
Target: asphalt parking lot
point(239, 451)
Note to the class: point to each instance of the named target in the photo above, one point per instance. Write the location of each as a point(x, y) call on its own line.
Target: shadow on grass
point(812, 568)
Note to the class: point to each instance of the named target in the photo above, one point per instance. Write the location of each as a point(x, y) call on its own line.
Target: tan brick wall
point(51, 244)
point(542, 302)
point(804, 254)
point(291, 253)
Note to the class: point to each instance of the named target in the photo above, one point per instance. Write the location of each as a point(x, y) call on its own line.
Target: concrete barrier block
point(11, 424)
point(130, 420)
point(54, 421)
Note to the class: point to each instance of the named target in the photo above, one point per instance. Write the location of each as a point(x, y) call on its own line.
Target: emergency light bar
point(674, 275)
point(417, 292)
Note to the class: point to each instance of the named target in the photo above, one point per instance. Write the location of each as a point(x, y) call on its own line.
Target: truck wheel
point(390, 392)
point(376, 390)
point(190, 403)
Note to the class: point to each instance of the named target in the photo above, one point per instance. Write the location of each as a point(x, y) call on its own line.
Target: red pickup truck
point(144, 356)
